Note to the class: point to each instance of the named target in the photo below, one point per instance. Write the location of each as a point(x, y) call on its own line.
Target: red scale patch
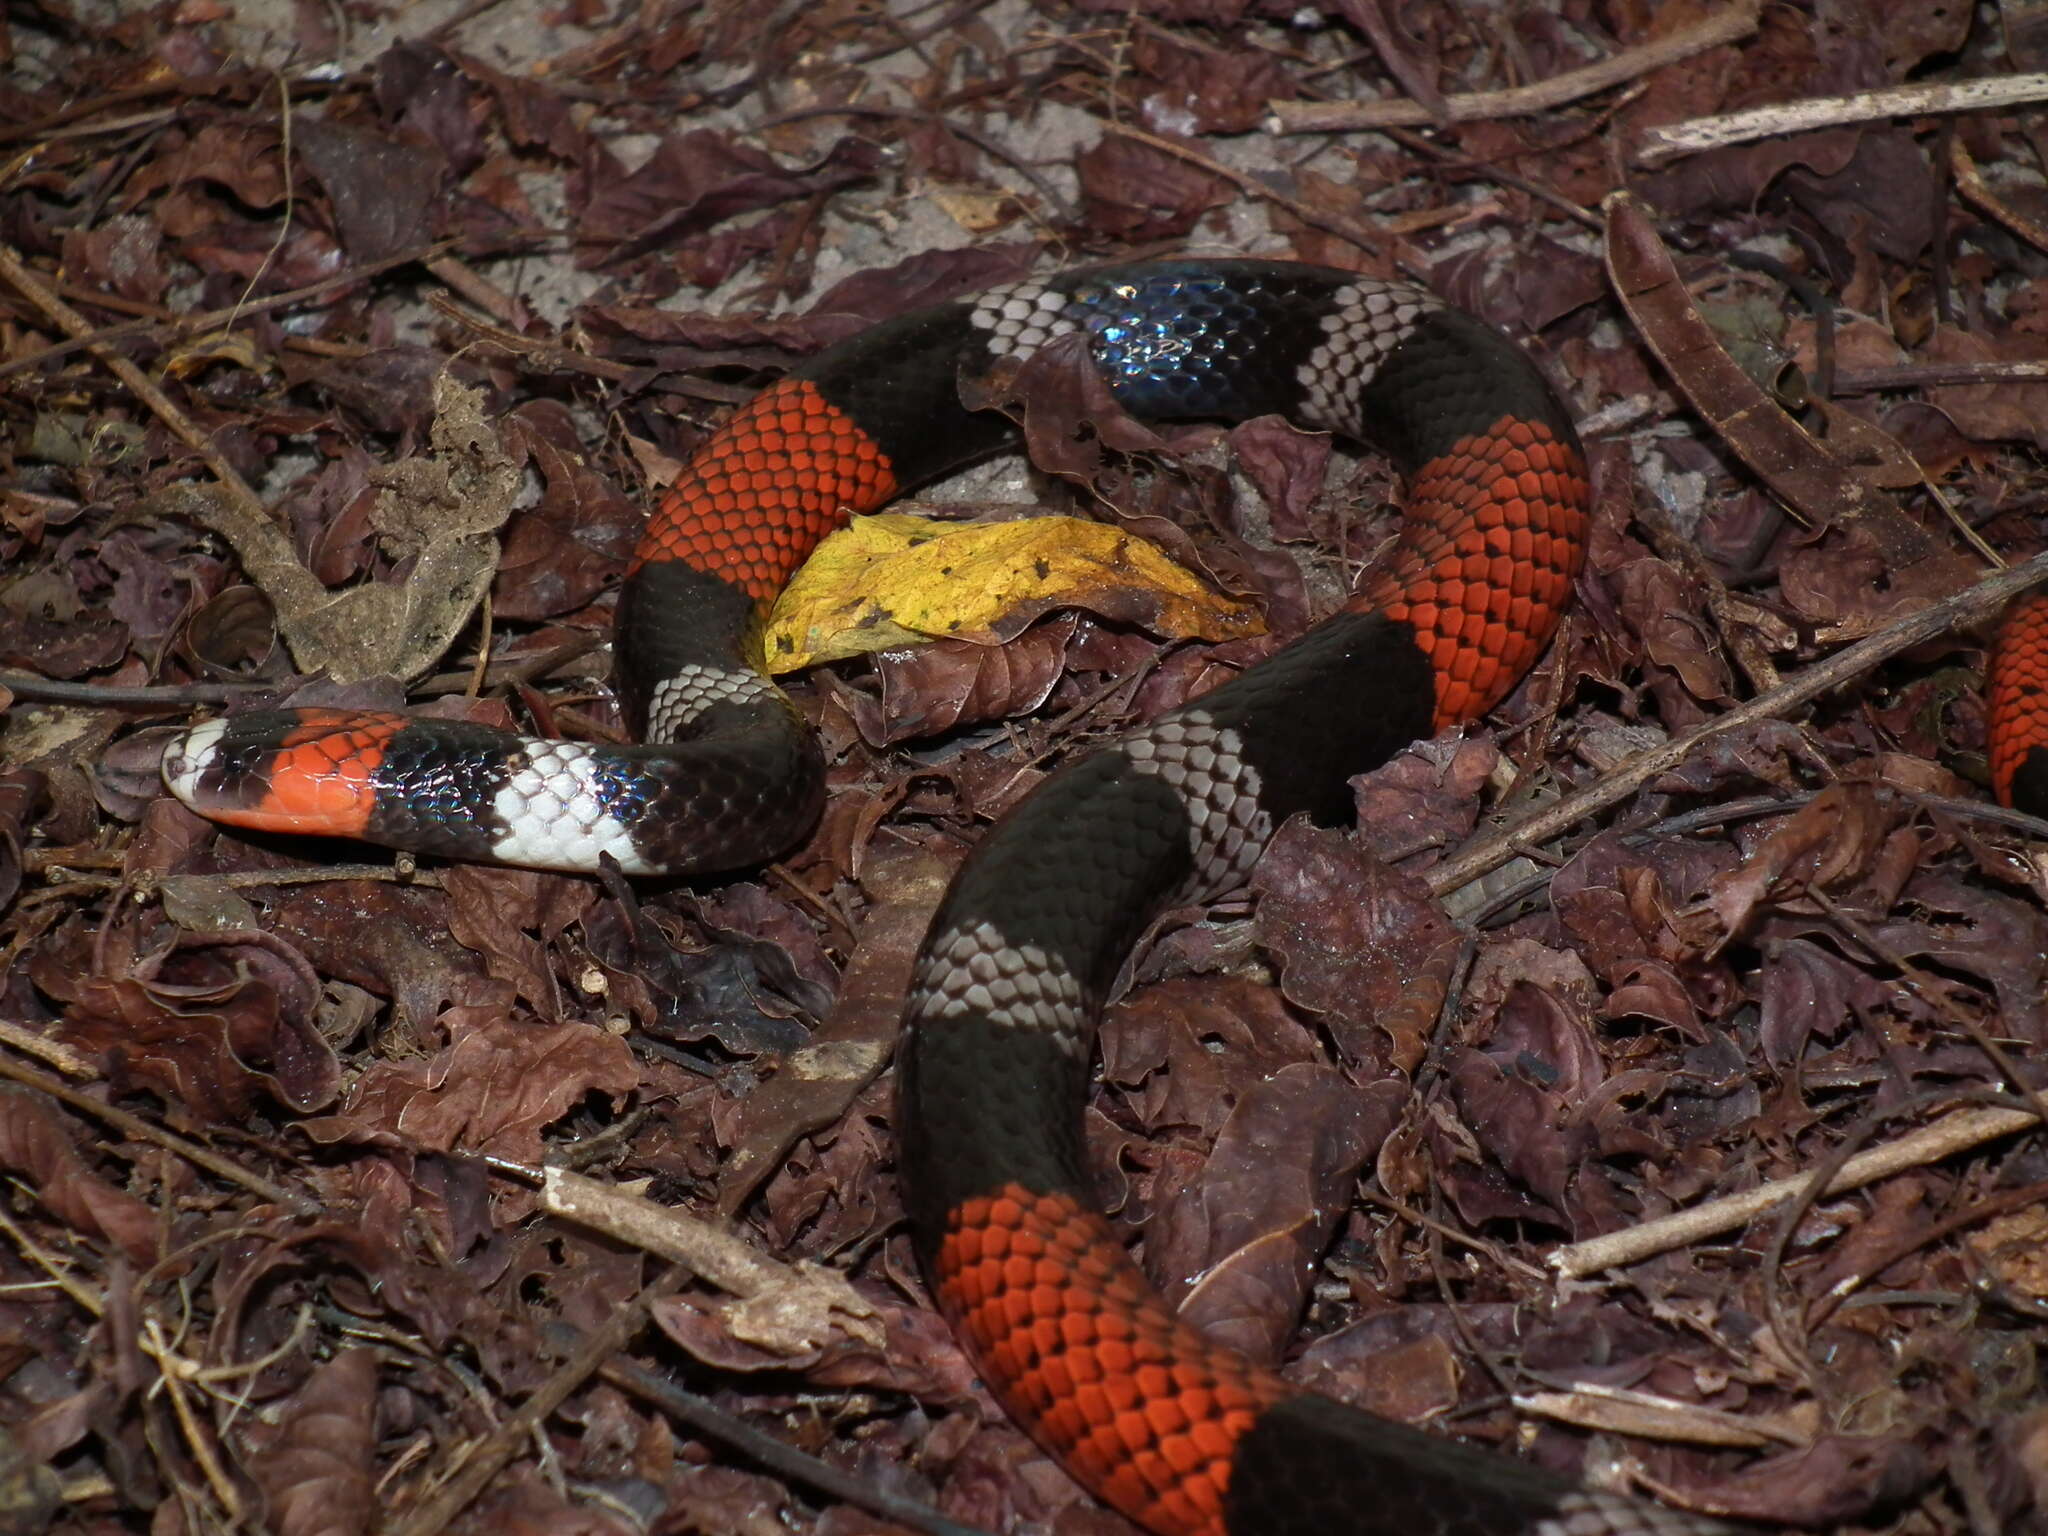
point(1482, 619)
point(1141, 1408)
point(786, 469)
point(2019, 691)
point(321, 777)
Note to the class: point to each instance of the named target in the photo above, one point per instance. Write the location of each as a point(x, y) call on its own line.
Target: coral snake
point(1181, 1435)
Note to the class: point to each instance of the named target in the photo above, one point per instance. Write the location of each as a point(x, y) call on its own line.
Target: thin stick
point(785, 1461)
point(1363, 236)
point(1868, 381)
point(1974, 602)
point(75, 325)
point(1702, 133)
point(57, 1054)
point(168, 326)
point(153, 1343)
point(141, 1130)
point(490, 1456)
point(1422, 144)
point(1949, 1135)
point(82, 1295)
point(1726, 26)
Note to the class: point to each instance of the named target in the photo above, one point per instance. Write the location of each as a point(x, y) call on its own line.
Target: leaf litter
point(278, 1252)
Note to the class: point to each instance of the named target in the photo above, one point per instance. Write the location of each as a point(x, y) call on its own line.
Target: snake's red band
point(2018, 705)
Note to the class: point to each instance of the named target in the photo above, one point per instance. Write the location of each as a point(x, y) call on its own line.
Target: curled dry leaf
point(1798, 467)
point(491, 1092)
point(1277, 1182)
point(36, 1147)
point(939, 687)
point(222, 1022)
point(312, 1460)
point(1359, 945)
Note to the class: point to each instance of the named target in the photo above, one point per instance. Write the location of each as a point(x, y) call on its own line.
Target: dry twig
point(1674, 140)
point(1730, 25)
point(1957, 1132)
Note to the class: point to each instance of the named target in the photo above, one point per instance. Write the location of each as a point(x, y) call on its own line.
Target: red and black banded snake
point(1184, 1437)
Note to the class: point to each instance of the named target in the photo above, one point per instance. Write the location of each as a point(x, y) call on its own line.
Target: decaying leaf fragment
point(444, 507)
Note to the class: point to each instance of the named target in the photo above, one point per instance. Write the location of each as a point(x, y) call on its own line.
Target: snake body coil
point(1184, 1437)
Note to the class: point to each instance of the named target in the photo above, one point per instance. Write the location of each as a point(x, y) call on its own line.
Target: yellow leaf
point(235, 348)
point(975, 211)
point(895, 580)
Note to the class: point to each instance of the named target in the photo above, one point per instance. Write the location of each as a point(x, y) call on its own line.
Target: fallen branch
point(1949, 1135)
point(1660, 145)
point(1727, 26)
